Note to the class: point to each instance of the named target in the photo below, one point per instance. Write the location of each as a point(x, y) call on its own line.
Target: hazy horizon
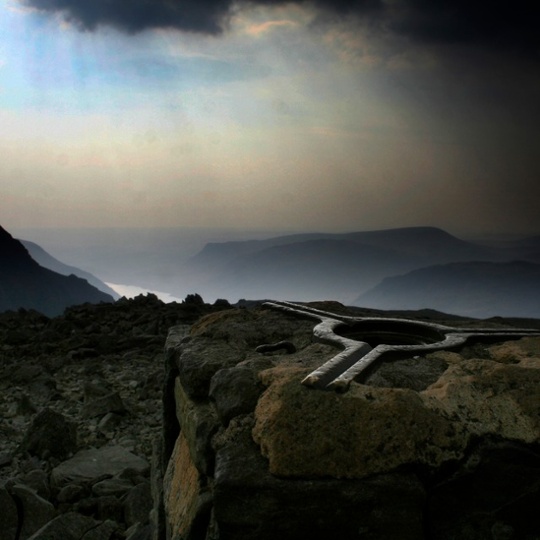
point(269, 116)
point(172, 263)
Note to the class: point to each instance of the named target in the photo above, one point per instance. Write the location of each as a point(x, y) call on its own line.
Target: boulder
point(488, 397)
point(112, 486)
point(89, 465)
point(35, 511)
point(109, 507)
point(103, 531)
point(309, 433)
point(69, 526)
point(252, 504)
point(50, 434)
point(141, 533)
point(200, 360)
point(109, 422)
point(138, 504)
point(110, 403)
point(72, 493)
point(37, 480)
point(9, 516)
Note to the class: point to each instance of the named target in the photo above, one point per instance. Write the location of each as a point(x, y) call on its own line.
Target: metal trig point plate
point(366, 340)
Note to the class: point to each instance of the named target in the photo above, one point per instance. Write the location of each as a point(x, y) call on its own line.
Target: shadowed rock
point(234, 391)
point(70, 526)
point(110, 403)
point(9, 516)
point(297, 462)
point(50, 434)
point(88, 465)
point(35, 511)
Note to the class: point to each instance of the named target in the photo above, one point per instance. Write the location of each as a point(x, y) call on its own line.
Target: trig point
point(432, 433)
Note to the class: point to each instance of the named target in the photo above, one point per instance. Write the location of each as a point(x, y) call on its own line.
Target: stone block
point(187, 502)
point(309, 433)
point(198, 421)
point(252, 504)
point(235, 391)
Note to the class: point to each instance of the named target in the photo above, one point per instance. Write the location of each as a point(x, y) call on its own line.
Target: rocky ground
point(81, 408)
point(78, 390)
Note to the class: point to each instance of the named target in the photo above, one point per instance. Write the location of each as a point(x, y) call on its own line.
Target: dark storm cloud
point(495, 24)
point(206, 16)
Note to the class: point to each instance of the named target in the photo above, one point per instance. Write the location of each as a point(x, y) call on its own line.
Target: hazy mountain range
point(345, 267)
point(476, 289)
point(407, 268)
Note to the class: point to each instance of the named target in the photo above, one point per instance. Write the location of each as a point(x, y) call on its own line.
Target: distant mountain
point(527, 249)
point(26, 284)
point(322, 265)
point(517, 249)
point(473, 289)
point(48, 261)
point(323, 269)
point(430, 243)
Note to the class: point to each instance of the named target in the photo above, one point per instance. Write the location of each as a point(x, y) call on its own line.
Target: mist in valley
point(404, 268)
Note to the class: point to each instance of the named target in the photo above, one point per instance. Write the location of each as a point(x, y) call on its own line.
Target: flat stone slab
point(89, 465)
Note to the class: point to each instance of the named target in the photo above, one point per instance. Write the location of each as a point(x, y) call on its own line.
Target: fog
point(374, 268)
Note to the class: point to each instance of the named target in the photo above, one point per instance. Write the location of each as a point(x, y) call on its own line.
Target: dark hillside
point(474, 289)
point(48, 261)
point(25, 284)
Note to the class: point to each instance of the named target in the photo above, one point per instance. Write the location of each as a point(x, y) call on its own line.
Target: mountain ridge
point(346, 264)
point(25, 284)
point(475, 288)
point(46, 260)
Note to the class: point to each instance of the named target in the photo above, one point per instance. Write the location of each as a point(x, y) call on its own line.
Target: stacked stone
point(438, 447)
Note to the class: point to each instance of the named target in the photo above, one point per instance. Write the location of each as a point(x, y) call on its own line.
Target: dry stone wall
point(443, 446)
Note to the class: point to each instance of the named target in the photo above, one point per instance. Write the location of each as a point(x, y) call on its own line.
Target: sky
point(270, 115)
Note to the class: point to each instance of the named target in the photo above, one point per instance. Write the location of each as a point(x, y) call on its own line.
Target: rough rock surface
point(371, 430)
point(80, 413)
point(89, 466)
point(432, 448)
point(441, 447)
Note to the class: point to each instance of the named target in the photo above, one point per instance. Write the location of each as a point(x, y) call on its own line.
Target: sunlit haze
point(280, 117)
